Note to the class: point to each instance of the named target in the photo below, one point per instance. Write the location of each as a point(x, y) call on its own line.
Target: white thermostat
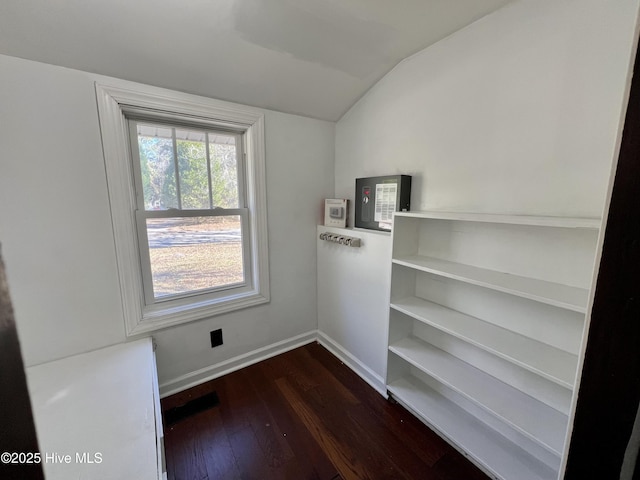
point(336, 211)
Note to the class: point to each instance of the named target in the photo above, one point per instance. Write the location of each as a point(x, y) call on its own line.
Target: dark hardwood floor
point(304, 415)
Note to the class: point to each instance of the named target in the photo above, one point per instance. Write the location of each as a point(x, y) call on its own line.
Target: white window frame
point(118, 103)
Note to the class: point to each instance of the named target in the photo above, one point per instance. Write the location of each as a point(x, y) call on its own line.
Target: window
point(190, 209)
point(186, 186)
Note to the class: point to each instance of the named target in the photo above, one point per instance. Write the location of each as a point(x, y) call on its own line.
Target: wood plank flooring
point(304, 415)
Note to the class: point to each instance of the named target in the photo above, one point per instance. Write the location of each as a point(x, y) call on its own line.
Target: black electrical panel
point(378, 197)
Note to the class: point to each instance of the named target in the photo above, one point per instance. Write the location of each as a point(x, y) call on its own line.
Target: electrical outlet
point(216, 338)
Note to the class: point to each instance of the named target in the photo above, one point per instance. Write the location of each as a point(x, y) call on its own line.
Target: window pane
point(157, 167)
point(192, 164)
point(224, 170)
point(197, 253)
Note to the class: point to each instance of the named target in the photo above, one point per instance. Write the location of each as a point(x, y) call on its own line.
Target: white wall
point(57, 242)
point(55, 225)
point(353, 301)
point(516, 113)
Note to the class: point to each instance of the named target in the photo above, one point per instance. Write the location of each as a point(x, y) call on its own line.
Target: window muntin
point(191, 218)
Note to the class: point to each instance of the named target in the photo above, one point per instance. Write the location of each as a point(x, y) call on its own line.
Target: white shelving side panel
point(558, 295)
point(547, 361)
point(486, 447)
point(537, 421)
point(539, 221)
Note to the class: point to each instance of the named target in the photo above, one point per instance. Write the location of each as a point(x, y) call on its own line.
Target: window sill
point(169, 317)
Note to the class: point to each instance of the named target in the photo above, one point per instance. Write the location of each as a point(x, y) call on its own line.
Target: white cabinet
point(98, 415)
point(485, 324)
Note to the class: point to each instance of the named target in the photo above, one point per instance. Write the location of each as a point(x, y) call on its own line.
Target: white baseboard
point(364, 372)
point(197, 377)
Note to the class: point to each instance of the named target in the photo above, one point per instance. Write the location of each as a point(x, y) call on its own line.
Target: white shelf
point(486, 447)
point(558, 295)
point(538, 221)
point(537, 421)
point(547, 361)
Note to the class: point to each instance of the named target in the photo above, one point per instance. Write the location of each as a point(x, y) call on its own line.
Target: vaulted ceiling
point(310, 57)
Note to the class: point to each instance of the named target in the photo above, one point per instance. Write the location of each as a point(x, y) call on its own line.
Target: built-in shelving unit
point(486, 318)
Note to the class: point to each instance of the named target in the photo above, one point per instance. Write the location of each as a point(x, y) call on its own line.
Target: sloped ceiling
point(309, 57)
